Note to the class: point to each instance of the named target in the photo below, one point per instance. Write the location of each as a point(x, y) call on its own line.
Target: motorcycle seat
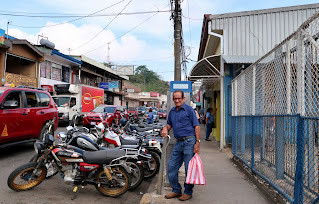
point(129, 146)
point(129, 141)
point(144, 133)
point(138, 129)
point(103, 156)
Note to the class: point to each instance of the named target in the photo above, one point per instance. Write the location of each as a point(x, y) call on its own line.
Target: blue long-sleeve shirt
point(183, 121)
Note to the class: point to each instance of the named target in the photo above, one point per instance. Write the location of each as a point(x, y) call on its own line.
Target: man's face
point(178, 100)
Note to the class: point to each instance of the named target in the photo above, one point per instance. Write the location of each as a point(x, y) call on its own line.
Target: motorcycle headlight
point(62, 136)
point(38, 147)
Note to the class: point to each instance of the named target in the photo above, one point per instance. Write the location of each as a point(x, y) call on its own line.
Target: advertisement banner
point(153, 94)
point(49, 88)
point(104, 85)
point(114, 84)
point(2, 36)
point(125, 69)
point(17, 80)
point(91, 98)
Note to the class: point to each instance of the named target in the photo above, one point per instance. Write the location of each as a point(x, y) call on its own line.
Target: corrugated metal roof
point(254, 33)
point(240, 59)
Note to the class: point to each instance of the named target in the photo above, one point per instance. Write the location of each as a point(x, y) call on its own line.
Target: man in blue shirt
point(183, 120)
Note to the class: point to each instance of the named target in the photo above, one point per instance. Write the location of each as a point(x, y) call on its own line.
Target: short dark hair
point(209, 109)
point(150, 110)
point(182, 92)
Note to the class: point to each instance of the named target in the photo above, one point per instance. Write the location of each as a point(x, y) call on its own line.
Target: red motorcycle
point(104, 169)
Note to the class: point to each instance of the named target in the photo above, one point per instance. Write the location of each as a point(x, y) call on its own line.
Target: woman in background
point(209, 123)
point(150, 116)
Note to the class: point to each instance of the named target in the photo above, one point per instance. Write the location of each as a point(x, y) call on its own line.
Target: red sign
point(153, 94)
point(91, 98)
point(49, 88)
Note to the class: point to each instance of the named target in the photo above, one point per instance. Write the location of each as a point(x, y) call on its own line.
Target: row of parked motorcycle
point(113, 159)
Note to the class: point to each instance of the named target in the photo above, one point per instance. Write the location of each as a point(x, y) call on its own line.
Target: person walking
point(150, 116)
point(182, 118)
point(209, 123)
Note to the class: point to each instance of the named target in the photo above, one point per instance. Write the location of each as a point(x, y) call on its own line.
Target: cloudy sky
point(137, 32)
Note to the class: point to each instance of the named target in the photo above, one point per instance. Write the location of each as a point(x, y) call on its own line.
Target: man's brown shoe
point(172, 195)
point(185, 197)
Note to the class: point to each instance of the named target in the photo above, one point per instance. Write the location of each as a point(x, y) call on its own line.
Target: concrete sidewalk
point(225, 182)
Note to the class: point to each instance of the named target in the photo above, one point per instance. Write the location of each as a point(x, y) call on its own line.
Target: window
point(44, 100)
point(56, 72)
point(65, 74)
point(73, 102)
point(32, 100)
point(14, 96)
point(45, 69)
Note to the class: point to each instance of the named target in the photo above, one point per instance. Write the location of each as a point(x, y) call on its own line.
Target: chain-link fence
point(275, 119)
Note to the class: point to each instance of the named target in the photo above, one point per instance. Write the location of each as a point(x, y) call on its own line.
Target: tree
point(148, 80)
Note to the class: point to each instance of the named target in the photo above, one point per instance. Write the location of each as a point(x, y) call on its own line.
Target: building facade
point(229, 43)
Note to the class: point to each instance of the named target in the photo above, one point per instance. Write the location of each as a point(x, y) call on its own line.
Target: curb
point(151, 191)
point(270, 193)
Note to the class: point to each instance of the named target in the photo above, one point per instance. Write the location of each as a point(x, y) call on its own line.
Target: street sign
point(185, 86)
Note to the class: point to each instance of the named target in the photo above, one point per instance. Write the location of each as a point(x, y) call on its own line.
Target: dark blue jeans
point(183, 151)
point(208, 130)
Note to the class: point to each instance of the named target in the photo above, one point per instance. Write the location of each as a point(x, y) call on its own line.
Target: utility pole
point(177, 36)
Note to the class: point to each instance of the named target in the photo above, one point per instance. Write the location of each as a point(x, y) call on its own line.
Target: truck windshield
point(62, 101)
point(102, 109)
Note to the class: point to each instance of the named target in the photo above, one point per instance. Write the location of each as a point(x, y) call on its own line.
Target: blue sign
point(104, 85)
point(114, 84)
point(185, 86)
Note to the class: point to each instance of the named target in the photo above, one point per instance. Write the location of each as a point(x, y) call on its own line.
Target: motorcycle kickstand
point(75, 192)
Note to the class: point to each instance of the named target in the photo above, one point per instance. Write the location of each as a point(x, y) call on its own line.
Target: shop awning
point(90, 72)
point(207, 70)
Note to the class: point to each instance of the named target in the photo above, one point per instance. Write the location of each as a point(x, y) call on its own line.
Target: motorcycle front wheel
point(21, 178)
point(151, 167)
point(119, 184)
point(52, 167)
point(137, 173)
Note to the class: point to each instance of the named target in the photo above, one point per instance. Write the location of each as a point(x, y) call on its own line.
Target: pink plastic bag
point(195, 172)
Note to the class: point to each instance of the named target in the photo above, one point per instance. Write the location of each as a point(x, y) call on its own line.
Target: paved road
point(53, 190)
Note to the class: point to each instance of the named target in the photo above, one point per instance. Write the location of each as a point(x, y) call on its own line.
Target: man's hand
point(196, 148)
point(165, 130)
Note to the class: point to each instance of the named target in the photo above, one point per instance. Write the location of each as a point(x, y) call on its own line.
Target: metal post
point(298, 188)
point(288, 67)
point(161, 170)
point(280, 147)
point(222, 112)
point(252, 143)
point(253, 95)
point(177, 36)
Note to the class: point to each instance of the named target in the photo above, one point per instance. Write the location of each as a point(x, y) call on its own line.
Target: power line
point(82, 16)
point(122, 34)
point(104, 27)
point(195, 19)
point(189, 25)
point(70, 20)
point(148, 59)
